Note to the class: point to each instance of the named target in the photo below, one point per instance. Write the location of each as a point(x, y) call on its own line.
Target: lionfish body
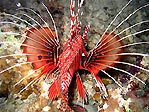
point(45, 50)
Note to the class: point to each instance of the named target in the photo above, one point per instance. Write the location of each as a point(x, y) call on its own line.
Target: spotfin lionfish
point(46, 53)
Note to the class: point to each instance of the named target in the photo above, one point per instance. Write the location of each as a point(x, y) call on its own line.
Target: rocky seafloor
point(133, 97)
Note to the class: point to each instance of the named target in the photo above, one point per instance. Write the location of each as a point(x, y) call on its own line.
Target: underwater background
point(99, 13)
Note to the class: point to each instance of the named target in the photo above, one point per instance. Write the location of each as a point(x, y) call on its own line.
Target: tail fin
point(54, 90)
point(80, 88)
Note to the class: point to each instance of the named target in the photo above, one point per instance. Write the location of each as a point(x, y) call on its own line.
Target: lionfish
point(43, 49)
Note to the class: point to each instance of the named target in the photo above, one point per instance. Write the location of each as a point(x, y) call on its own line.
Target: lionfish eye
point(39, 57)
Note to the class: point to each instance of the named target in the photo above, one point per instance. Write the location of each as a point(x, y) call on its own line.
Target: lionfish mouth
point(117, 45)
